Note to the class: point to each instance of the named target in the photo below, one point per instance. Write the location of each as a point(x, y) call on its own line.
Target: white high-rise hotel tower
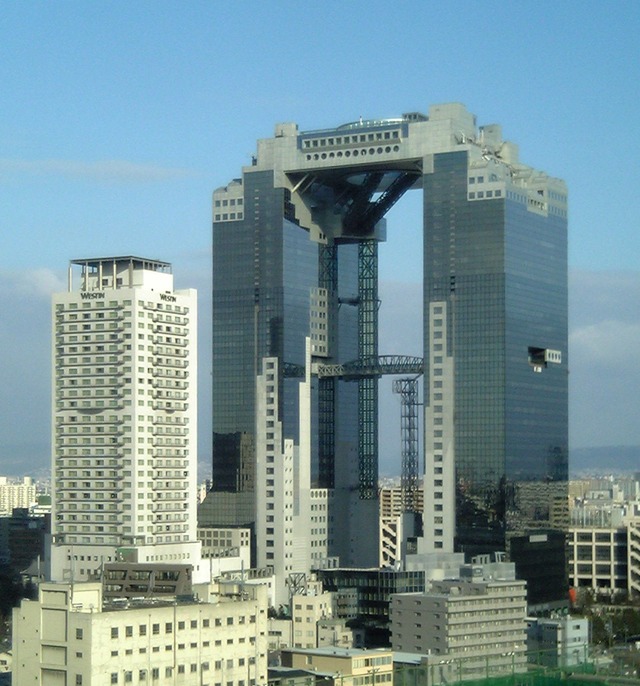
point(124, 458)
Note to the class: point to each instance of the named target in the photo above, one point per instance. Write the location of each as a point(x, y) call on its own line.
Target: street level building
point(558, 642)
point(343, 666)
point(71, 636)
point(473, 620)
point(124, 419)
point(295, 340)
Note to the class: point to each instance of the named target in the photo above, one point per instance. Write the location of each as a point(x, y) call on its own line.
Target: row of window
point(169, 673)
point(348, 153)
point(351, 139)
point(484, 194)
point(231, 202)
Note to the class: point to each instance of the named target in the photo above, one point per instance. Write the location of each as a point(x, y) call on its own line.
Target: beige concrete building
point(598, 558)
point(346, 666)
point(393, 524)
point(69, 638)
point(225, 542)
point(306, 611)
point(391, 502)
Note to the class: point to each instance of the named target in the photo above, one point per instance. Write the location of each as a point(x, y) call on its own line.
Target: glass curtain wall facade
point(264, 267)
point(290, 245)
point(499, 272)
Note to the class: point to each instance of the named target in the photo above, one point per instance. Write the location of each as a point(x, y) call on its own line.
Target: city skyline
point(178, 120)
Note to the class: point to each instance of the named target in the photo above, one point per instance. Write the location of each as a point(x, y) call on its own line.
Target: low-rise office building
point(364, 595)
point(558, 642)
point(473, 620)
point(344, 666)
point(69, 637)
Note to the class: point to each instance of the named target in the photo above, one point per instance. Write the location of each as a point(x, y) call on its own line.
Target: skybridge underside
point(347, 203)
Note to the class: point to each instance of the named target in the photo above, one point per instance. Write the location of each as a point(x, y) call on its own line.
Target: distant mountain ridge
point(605, 459)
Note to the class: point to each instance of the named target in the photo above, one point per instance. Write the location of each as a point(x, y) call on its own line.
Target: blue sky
point(118, 120)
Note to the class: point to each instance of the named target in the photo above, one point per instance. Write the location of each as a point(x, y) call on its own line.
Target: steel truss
point(407, 388)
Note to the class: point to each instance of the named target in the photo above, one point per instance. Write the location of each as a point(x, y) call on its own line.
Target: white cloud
point(101, 171)
point(40, 283)
point(599, 296)
point(609, 343)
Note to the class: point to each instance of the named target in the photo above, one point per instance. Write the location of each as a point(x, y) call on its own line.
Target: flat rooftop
point(136, 262)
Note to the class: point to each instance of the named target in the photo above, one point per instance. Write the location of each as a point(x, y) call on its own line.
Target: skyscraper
point(295, 246)
point(124, 419)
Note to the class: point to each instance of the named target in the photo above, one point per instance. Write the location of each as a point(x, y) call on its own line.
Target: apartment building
point(124, 418)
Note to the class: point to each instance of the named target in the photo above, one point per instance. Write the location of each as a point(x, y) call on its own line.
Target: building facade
point(558, 642)
point(598, 558)
point(365, 595)
point(343, 666)
point(472, 620)
point(69, 636)
point(124, 419)
point(295, 249)
point(14, 493)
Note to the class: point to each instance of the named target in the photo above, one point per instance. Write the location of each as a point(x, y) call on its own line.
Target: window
point(79, 634)
point(114, 677)
point(114, 632)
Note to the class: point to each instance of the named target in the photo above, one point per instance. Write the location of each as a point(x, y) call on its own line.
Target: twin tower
point(295, 344)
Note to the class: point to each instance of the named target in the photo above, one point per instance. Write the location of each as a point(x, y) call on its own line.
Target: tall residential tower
point(124, 419)
point(295, 341)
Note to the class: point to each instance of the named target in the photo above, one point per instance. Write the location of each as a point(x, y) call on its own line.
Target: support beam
point(368, 387)
point(407, 388)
